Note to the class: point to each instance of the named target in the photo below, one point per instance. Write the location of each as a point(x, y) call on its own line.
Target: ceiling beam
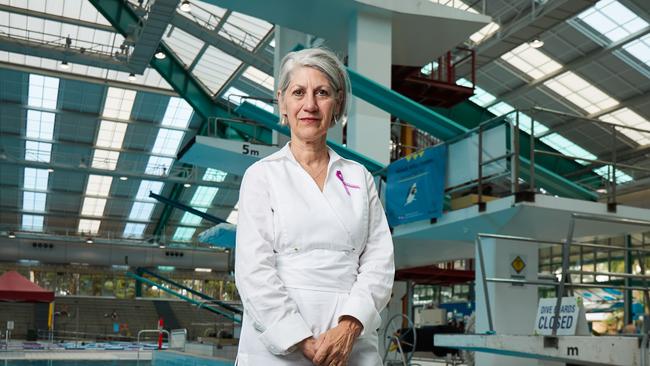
point(56, 18)
point(225, 45)
point(130, 174)
point(570, 66)
point(61, 52)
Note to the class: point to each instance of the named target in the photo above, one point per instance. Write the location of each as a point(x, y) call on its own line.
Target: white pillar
point(513, 307)
point(369, 53)
point(286, 40)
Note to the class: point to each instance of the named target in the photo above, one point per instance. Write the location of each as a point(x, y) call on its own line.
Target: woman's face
point(309, 104)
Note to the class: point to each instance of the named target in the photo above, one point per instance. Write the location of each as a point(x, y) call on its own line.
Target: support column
point(369, 53)
point(286, 40)
point(513, 307)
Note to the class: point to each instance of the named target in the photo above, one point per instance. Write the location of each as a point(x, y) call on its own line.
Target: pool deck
point(75, 355)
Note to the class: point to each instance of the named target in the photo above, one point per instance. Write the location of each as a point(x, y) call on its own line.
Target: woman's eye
point(322, 93)
point(298, 93)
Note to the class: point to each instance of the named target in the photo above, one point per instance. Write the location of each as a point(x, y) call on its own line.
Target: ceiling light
point(64, 65)
point(536, 43)
point(12, 235)
point(50, 170)
point(132, 76)
point(124, 178)
point(89, 240)
point(601, 190)
point(160, 55)
point(185, 6)
point(187, 185)
point(161, 246)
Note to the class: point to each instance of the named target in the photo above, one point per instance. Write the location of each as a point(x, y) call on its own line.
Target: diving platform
point(575, 350)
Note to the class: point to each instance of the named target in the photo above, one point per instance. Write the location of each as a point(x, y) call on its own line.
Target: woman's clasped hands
point(333, 348)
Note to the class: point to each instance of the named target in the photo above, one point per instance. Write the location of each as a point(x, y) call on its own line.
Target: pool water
point(73, 363)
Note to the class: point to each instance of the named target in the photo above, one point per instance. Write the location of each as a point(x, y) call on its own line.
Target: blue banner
point(415, 186)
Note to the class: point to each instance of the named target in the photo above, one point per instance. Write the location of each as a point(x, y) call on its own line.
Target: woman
point(314, 260)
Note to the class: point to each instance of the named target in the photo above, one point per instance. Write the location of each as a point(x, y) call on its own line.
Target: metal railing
point(151, 331)
point(565, 275)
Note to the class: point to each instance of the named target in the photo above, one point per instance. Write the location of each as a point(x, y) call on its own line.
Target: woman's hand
point(335, 345)
point(308, 348)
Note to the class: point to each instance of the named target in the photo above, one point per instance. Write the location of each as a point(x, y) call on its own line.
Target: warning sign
point(518, 264)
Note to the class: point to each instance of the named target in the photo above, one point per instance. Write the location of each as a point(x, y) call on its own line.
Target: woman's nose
point(310, 103)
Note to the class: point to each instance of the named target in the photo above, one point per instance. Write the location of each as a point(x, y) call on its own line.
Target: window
point(105, 159)
point(111, 134)
point(147, 186)
point(612, 20)
point(38, 151)
point(260, 77)
point(203, 196)
point(87, 226)
point(167, 142)
point(158, 165)
point(93, 206)
point(43, 91)
point(98, 185)
point(40, 125)
point(133, 230)
point(183, 234)
point(141, 211)
point(627, 117)
point(119, 103)
point(34, 201)
point(191, 219)
point(531, 61)
point(214, 175)
point(32, 223)
point(580, 92)
point(36, 179)
point(177, 114)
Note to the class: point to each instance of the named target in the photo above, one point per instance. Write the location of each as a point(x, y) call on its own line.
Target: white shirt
point(290, 235)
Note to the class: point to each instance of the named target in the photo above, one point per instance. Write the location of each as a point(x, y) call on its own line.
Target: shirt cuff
point(362, 310)
point(281, 337)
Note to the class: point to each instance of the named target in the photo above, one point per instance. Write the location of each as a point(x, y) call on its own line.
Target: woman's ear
point(280, 104)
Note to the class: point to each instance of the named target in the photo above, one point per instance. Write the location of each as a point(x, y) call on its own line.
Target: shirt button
point(295, 249)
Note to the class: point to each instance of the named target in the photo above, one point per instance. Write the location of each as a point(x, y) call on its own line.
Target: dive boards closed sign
point(569, 319)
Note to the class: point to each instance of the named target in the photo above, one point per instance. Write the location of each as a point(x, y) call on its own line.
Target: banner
point(415, 186)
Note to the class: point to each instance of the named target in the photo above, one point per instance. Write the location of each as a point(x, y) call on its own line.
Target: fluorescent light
point(203, 269)
point(11, 235)
point(166, 268)
point(187, 185)
point(185, 6)
point(50, 170)
point(124, 178)
point(89, 240)
point(160, 55)
point(536, 43)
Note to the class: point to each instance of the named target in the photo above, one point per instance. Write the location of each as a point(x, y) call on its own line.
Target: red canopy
point(16, 288)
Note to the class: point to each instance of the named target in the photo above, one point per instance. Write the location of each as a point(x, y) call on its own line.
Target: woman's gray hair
point(326, 62)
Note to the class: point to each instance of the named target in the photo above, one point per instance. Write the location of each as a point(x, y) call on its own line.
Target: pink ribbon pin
point(339, 175)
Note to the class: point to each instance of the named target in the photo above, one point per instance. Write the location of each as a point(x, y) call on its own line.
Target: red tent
point(16, 288)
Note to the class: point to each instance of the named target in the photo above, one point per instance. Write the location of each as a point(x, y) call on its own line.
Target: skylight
point(481, 97)
point(147, 186)
point(98, 185)
point(93, 206)
point(158, 165)
point(203, 196)
point(580, 92)
point(640, 48)
point(88, 226)
point(111, 134)
point(43, 91)
point(167, 142)
point(177, 114)
point(259, 77)
point(567, 147)
point(133, 230)
point(32, 222)
point(183, 233)
point(34, 201)
point(531, 61)
point(38, 151)
point(105, 159)
point(621, 177)
point(215, 67)
point(483, 33)
point(36, 179)
point(40, 125)
point(612, 20)
point(141, 211)
point(191, 219)
point(214, 175)
point(628, 117)
point(119, 103)
point(245, 30)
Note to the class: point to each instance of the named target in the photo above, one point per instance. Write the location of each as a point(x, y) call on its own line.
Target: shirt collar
point(286, 153)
